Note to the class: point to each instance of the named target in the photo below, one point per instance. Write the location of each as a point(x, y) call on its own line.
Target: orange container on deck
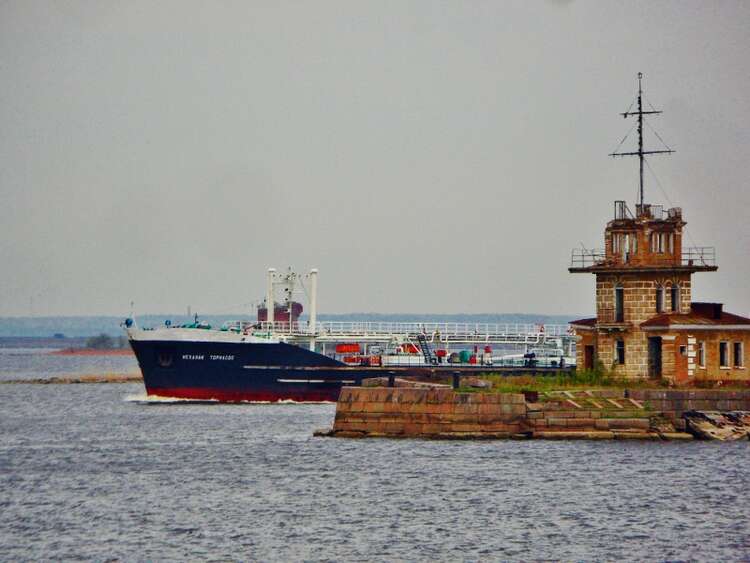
point(347, 348)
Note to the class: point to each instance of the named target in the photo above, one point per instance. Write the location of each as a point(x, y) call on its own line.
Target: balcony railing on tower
point(691, 256)
point(699, 256)
point(646, 210)
point(584, 257)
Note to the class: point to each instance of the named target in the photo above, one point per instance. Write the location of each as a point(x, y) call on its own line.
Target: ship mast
point(640, 153)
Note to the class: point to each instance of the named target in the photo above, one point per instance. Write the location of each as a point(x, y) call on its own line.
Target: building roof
point(701, 315)
point(591, 323)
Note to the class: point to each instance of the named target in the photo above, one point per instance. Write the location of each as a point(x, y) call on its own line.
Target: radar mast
point(640, 153)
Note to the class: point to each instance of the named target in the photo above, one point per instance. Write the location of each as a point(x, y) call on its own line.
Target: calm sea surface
point(90, 472)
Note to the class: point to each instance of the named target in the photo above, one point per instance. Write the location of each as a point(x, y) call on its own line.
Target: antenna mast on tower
point(640, 153)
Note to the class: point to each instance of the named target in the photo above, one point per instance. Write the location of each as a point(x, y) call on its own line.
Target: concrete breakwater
point(591, 414)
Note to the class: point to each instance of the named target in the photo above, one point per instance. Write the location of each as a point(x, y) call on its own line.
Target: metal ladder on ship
point(426, 352)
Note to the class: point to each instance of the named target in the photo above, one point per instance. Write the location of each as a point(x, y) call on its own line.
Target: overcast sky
point(426, 156)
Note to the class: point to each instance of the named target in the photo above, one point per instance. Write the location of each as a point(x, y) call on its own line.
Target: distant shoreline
point(92, 352)
point(110, 378)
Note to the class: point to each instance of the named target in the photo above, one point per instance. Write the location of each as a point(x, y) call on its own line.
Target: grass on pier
point(581, 380)
point(587, 379)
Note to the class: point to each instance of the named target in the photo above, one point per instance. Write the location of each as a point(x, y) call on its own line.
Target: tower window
point(626, 246)
point(620, 351)
point(675, 291)
point(702, 354)
point(624, 243)
point(619, 304)
point(659, 299)
point(658, 242)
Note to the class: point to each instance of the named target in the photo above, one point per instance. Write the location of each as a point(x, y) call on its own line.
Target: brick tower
point(646, 323)
point(642, 272)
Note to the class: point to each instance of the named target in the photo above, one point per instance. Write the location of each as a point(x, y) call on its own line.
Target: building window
point(658, 242)
point(675, 298)
point(659, 299)
point(739, 360)
point(723, 355)
point(702, 354)
point(620, 351)
point(683, 351)
point(671, 243)
point(626, 247)
point(619, 304)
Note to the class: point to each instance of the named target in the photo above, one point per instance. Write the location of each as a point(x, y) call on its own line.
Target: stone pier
point(592, 414)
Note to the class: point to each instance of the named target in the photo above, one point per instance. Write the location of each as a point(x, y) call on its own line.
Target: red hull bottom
point(225, 396)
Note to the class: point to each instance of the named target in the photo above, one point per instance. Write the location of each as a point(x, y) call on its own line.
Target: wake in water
point(143, 398)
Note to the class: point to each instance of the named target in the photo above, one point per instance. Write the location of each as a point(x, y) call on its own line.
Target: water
point(29, 362)
point(87, 473)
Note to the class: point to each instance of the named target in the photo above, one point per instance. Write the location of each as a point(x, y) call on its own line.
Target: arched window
point(659, 298)
point(675, 298)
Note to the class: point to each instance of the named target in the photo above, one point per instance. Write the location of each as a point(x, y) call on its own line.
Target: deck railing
point(442, 330)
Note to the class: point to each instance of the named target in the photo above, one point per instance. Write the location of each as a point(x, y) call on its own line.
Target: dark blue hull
point(234, 372)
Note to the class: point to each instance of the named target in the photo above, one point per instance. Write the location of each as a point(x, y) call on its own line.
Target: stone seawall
point(591, 414)
point(674, 403)
point(411, 412)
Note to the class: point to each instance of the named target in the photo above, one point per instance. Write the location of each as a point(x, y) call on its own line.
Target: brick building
point(647, 324)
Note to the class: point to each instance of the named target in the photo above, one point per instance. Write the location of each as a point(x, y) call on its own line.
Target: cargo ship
point(280, 357)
